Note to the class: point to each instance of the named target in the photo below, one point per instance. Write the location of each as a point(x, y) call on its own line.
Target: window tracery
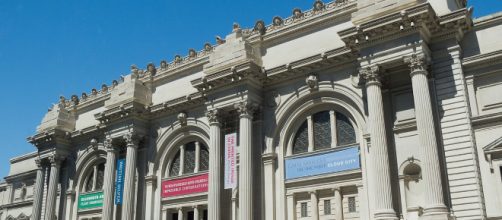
point(95, 179)
point(187, 157)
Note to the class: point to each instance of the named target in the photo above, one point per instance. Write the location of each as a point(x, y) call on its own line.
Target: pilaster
point(214, 194)
point(55, 161)
point(109, 180)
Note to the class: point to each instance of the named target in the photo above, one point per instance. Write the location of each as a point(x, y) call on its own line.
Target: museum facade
point(353, 109)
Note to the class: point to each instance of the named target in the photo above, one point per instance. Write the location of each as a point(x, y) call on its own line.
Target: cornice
point(49, 137)
point(23, 175)
point(482, 60)
point(483, 120)
point(189, 64)
point(24, 157)
point(176, 105)
point(125, 110)
point(417, 19)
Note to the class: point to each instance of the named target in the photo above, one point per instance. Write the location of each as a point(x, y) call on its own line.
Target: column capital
point(40, 163)
point(371, 74)
point(213, 116)
point(337, 189)
point(246, 109)
point(55, 160)
point(131, 139)
point(417, 62)
point(313, 192)
point(107, 143)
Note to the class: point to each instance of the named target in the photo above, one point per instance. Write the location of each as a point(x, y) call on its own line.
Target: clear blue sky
point(53, 48)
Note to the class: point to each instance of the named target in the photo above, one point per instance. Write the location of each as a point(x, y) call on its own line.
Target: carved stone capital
point(213, 116)
point(131, 139)
point(246, 109)
point(182, 118)
point(40, 163)
point(417, 62)
point(55, 160)
point(109, 145)
point(371, 74)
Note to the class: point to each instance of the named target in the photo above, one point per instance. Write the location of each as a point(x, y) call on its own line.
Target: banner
point(119, 182)
point(230, 161)
point(91, 200)
point(185, 186)
point(330, 162)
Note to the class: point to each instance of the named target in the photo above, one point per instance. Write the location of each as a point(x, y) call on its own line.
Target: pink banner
point(185, 186)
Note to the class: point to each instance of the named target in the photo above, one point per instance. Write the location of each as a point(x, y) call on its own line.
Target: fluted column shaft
point(50, 208)
point(214, 194)
point(431, 172)
point(130, 173)
point(39, 190)
point(246, 161)
point(338, 204)
point(379, 158)
point(315, 205)
point(291, 206)
point(109, 181)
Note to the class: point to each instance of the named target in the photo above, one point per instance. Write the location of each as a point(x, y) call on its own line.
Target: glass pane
point(189, 158)
point(301, 141)
point(322, 130)
point(204, 158)
point(352, 204)
point(303, 209)
point(175, 165)
point(90, 180)
point(327, 207)
point(345, 131)
point(101, 177)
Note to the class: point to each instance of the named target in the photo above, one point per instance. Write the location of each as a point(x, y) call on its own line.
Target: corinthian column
point(431, 172)
point(130, 173)
point(214, 195)
point(379, 158)
point(108, 184)
point(39, 190)
point(50, 208)
point(245, 111)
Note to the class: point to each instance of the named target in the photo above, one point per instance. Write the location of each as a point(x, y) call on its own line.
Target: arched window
point(323, 130)
point(94, 180)
point(192, 157)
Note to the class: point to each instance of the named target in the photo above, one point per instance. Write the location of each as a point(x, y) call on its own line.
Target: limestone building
point(353, 109)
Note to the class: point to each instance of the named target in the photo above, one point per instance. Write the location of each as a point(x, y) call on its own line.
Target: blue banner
point(119, 182)
point(330, 162)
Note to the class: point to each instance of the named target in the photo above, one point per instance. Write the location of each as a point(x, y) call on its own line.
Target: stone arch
point(84, 164)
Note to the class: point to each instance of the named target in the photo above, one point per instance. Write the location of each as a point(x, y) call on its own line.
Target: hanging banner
point(185, 186)
point(119, 182)
point(330, 162)
point(90, 200)
point(231, 161)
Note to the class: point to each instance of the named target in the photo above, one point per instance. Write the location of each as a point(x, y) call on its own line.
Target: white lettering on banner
point(230, 161)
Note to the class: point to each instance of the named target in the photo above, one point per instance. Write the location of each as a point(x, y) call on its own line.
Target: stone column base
point(386, 215)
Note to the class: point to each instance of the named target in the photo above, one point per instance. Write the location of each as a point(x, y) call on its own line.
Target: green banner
point(90, 200)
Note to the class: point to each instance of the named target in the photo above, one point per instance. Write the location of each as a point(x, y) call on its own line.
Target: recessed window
point(303, 209)
point(320, 125)
point(95, 179)
point(352, 204)
point(327, 207)
point(190, 152)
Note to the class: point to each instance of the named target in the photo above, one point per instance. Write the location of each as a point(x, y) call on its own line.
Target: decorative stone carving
point(55, 159)
point(192, 53)
point(115, 83)
point(371, 74)
point(213, 116)
point(318, 5)
point(94, 144)
point(94, 92)
point(74, 100)
point(182, 118)
point(208, 47)
point(131, 139)
point(151, 69)
point(84, 96)
point(297, 13)
point(163, 65)
point(312, 81)
point(277, 21)
point(134, 70)
point(107, 143)
point(235, 27)
point(62, 101)
point(260, 27)
point(177, 59)
point(246, 109)
point(416, 62)
point(220, 40)
point(104, 88)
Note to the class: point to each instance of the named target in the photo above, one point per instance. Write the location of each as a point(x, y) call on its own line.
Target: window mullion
point(182, 160)
point(332, 120)
point(310, 124)
point(95, 178)
point(197, 157)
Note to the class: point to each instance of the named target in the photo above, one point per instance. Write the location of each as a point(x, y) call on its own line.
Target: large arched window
point(192, 157)
point(323, 130)
point(94, 180)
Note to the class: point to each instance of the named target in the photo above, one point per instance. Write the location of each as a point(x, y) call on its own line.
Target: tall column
point(338, 204)
point(182, 160)
point(314, 205)
point(214, 194)
point(197, 157)
point(332, 121)
point(50, 208)
point(379, 158)
point(109, 181)
point(310, 128)
point(196, 212)
point(245, 111)
point(180, 213)
point(291, 206)
point(130, 173)
point(39, 190)
point(431, 172)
